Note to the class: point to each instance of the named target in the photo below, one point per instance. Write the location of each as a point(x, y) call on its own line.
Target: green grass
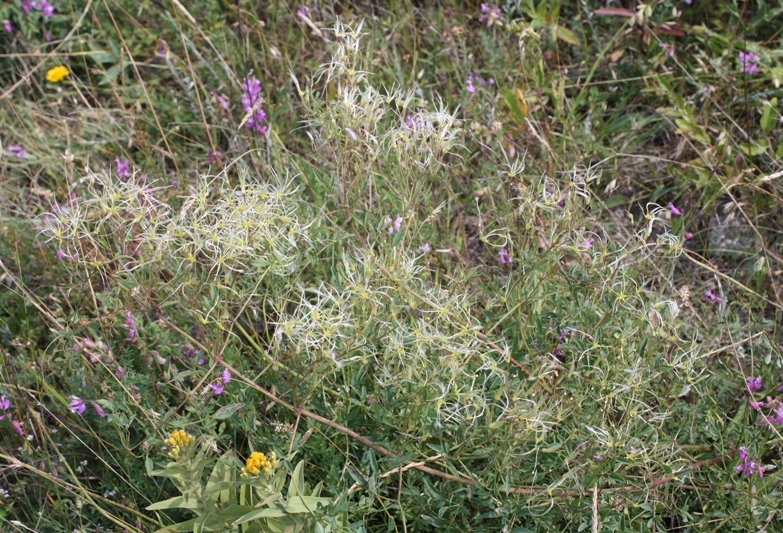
point(348, 268)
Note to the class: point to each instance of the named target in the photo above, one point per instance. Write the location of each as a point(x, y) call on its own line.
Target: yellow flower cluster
point(57, 73)
point(178, 440)
point(259, 462)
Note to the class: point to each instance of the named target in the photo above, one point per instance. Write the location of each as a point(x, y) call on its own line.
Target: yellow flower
point(178, 440)
point(57, 73)
point(259, 462)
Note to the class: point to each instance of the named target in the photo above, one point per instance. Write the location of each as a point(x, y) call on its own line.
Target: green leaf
point(564, 34)
point(182, 526)
point(260, 513)
point(304, 504)
point(768, 116)
point(178, 502)
point(174, 471)
point(227, 411)
point(296, 486)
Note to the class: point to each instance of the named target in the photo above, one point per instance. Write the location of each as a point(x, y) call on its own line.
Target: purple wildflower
point(675, 212)
point(753, 384)
point(18, 427)
point(251, 95)
point(778, 414)
point(395, 226)
point(217, 387)
point(98, 410)
point(755, 405)
point(668, 47)
point(424, 248)
point(469, 84)
point(18, 151)
point(46, 8)
point(491, 14)
point(222, 100)
point(7, 26)
point(302, 11)
point(123, 168)
point(225, 376)
point(710, 296)
point(61, 255)
point(749, 62)
point(77, 405)
point(414, 122)
point(688, 235)
point(5, 404)
point(504, 257)
point(120, 372)
point(201, 362)
point(588, 243)
point(130, 324)
point(47, 37)
point(747, 466)
point(27, 5)
point(215, 157)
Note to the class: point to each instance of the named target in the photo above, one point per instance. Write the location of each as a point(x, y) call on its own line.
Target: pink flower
point(588, 243)
point(225, 376)
point(120, 372)
point(675, 212)
point(302, 11)
point(217, 387)
point(7, 26)
point(414, 122)
point(469, 84)
point(710, 296)
point(504, 257)
point(77, 405)
point(18, 428)
point(688, 235)
point(123, 168)
point(749, 62)
point(46, 8)
point(753, 384)
point(395, 226)
point(222, 100)
point(98, 410)
point(215, 156)
point(668, 47)
point(251, 95)
point(18, 151)
point(491, 14)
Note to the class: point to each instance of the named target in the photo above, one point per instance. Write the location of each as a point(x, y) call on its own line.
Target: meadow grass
point(390, 266)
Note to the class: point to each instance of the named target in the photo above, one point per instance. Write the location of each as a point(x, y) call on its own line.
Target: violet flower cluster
point(747, 466)
point(78, 405)
point(749, 62)
point(771, 411)
point(123, 168)
point(251, 95)
point(219, 384)
point(490, 14)
point(395, 226)
point(46, 9)
point(481, 82)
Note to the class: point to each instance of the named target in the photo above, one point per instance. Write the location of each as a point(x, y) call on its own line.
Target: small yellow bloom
point(259, 462)
point(57, 73)
point(178, 440)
